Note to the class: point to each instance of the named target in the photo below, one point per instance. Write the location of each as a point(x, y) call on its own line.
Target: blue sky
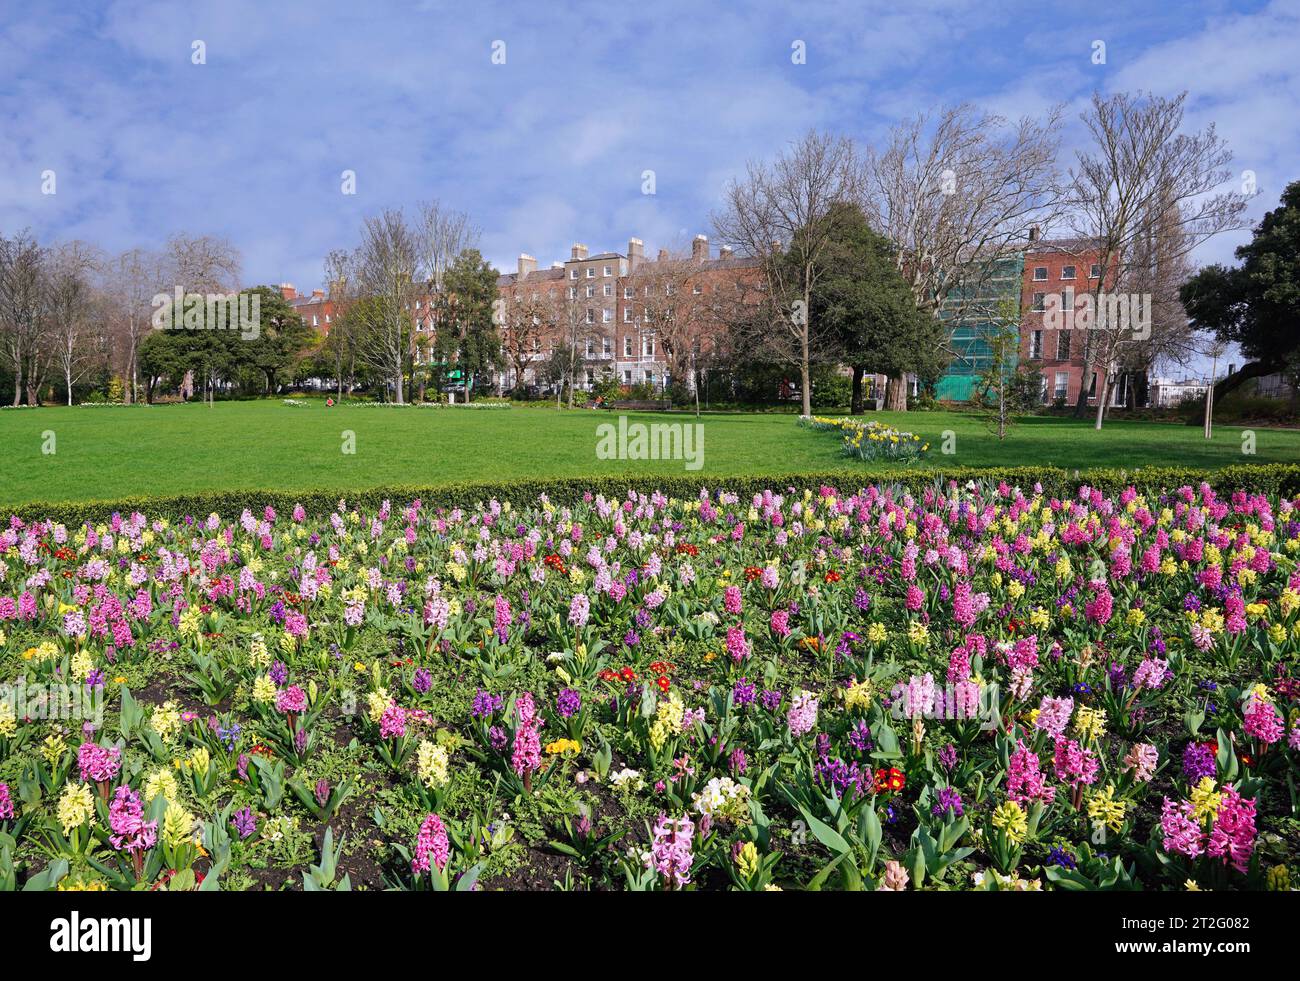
point(549, 148)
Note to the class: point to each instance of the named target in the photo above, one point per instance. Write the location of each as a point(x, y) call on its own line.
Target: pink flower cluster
point(431, 844)
point(1263, 721)
point(1025, 781)
point(670, 851)
point(291, 699)
point(1074, 765)
point(1231, 837)
point(98, 764)
point(131, 832)
point(526, 755)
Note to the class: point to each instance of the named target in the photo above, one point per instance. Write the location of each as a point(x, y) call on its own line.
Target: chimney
point(288, 292)
point(557, 265)
point(724, 252)
point(700, 248)
point(663, 254)
point(317, 294)
point(527, 264)
point(579, 250)
point(1033, 233)
point(635, 253)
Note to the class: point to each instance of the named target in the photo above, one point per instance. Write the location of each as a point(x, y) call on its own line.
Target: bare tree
point(389, 275)
point(782, 213)
point(24, 308)
point(340, 340)
point(444, 233)
point(1144, 196)
point(957, 192)
point(203, 264)
point(130, 280)
point(528, 320)
point(76, 343)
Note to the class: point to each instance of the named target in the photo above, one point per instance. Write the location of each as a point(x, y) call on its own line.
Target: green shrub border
point(1275, 479)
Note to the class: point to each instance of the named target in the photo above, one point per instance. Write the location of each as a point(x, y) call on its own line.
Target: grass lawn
point(110, 452)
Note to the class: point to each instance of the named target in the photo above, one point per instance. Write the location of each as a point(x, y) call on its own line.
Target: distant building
point(1166, 392)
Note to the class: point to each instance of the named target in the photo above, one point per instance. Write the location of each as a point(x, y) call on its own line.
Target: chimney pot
point(527, 264)
point(1033, 233)
point(287, 291)
point(579, 251)
point(700, 248)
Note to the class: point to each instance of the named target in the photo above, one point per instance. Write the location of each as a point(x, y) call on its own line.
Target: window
point(327, 318)
point(315, 321)
point(1062, 345)
point(591, 378)
point(591, 315)
point(1035, 345)
point(627, 378)
point(1092, 387)
point(591, 272)
point(648, 347)
point(607, 316)
point(417, 304)
point(627, 351)
point(609, 270)
point(573, 292)
point(591, 291)
point(669, 289)
point(573, 273)
point(1067, 272)
point(1095, 271)
point(628, 292)
point(609, 289)
point(1062, 389)
point(649, 377)
point(605, 345)
point(627, 315)
point(1039, 300)
point(1040, 272)
point(697, 290)
point(591, 349)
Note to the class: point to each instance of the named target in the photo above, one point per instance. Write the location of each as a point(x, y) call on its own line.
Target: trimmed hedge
point(1275, 479)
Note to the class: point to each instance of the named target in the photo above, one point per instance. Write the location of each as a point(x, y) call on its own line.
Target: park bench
point(658, 405)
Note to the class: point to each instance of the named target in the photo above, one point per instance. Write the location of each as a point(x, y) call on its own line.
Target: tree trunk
point(855, 403)
point(896, 395)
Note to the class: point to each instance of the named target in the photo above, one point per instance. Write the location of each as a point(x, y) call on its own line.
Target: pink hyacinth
point(802, 715)
point(670, 851)
point(737, 646)
point(1232, 838)
point(1074, 764)
point(1025, 780)
point(1263, 721)
point(6, 803)
point(131, 832)
point(780, 623)
point(731, 600)
point(392, 724)
point(98, 764)
point(431, 845)
point(1182, 835)
point(579, 609)
point(291, 700)
point(1151, 673)
point(526, 754)
point(1054, 715)
point(1141, 759)
point(1099, 608)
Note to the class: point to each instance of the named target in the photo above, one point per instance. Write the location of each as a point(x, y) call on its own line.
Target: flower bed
point(871, 440)
point(969, 687)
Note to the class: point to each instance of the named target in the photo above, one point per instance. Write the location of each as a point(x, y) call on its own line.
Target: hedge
point(1273, 479)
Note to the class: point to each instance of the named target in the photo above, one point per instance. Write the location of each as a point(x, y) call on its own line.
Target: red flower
point(832, 576)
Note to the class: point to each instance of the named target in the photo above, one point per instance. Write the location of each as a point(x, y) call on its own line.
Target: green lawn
point(111, 452)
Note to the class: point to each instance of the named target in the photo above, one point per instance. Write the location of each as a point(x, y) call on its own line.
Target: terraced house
point(629, 318)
